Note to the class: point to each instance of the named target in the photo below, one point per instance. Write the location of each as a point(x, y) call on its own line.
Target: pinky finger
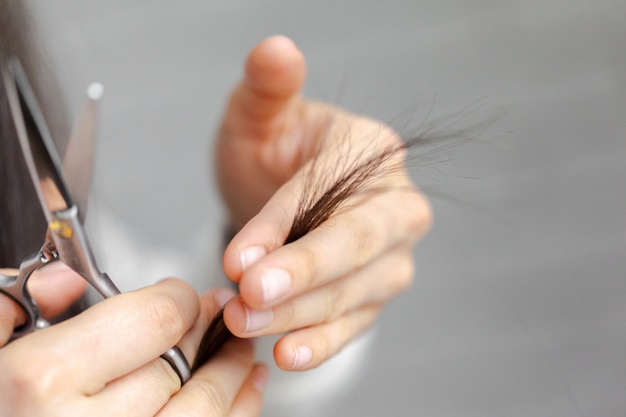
point(250, 398)
point(310, 347)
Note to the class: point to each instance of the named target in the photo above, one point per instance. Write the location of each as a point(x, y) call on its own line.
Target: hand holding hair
point(323, 278)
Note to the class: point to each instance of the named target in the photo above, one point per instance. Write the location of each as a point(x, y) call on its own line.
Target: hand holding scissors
point(104, 361)
point(66, 240)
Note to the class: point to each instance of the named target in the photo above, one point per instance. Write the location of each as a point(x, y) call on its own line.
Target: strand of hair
point(324, 195)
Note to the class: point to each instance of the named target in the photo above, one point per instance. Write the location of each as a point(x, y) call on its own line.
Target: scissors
point(66, 239)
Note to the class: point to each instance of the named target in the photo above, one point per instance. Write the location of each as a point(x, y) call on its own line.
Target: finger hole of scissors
point(55, 287)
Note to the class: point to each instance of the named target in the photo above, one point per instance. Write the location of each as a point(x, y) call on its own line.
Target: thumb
point(258, 147)
point(274, 73)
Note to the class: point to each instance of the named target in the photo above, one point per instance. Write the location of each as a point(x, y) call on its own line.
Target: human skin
point(328, 286)
point(323, 289)
point(105, 361)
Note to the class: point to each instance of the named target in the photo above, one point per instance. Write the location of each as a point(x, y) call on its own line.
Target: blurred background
point(519, 302)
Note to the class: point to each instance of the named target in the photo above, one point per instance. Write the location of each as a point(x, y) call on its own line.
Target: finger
point(274, 73)
point(269, 228)
point(372, 285)
point(343, 244)
point(308, 348)
point(141, 393)
point(113, 337)
point(54, 287)
point(250, 397)
point(215, 385)
point(254, 149)
point(147, 389)
point(11, 314)
point(351, 143)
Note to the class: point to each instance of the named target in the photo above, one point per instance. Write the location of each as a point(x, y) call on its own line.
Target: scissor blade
point(38, 149)
point(79, 156)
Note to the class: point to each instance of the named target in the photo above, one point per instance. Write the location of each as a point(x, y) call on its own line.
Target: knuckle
point(168, 316)
point(211, 397)
point(288, 315)
point(366, 235)
point(310, 260)
point(405, 274)
point(420, 218)
point(30, 380)
point(334, 304)
point(346, 331)
point(364, 238)
point(341, 333)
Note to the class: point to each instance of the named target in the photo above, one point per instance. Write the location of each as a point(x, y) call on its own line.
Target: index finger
point(112, 338)
point(351, 154)
point(342, 246)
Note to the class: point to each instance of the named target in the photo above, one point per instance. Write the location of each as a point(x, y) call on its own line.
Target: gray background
point(519, 303)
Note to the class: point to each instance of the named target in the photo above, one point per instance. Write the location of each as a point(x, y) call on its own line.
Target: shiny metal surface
point(78, 161)
point(66, 239)
point(36, 143)
point(518, 305)
point(15, 286)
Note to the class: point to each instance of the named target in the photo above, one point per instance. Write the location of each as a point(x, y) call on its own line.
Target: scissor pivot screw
point(62, 229)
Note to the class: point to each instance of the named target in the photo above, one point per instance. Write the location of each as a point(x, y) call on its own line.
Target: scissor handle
point(15, 287)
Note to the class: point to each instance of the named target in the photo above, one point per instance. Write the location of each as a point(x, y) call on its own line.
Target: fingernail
point(257, 319)
point(251, 255)
point(260, 377)
point(303, 355)
point(275, 283)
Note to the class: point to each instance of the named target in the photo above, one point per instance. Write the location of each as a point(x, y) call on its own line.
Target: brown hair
point(328, 188)
point(22, 225)
point(320, 198)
